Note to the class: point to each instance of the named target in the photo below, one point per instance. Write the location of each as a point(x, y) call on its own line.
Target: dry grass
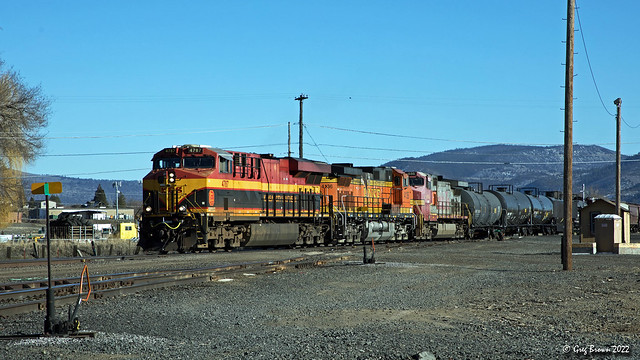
point(24, 249)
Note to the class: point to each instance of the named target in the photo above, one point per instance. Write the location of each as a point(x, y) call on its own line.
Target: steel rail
point(69, 260)
point(29, 298)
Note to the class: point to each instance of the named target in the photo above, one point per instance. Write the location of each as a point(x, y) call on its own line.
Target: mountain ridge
point(532, 166)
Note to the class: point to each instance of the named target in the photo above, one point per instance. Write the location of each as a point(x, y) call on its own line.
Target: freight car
point(201, 198)
point(501, 211)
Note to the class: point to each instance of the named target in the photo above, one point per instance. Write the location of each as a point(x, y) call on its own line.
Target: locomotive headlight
point(182, 208)
point(148, 209)
point(171, 177)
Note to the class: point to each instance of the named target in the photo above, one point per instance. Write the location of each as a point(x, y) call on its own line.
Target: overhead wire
point(595, 84)
point(449, 140)
point(5, 136)
point(33, 176)
point(314, 142)
point(164, 98)
point(425, 138)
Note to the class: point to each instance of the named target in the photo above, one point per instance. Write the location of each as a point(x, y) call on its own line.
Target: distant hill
point(76, 191)
point(537, 166)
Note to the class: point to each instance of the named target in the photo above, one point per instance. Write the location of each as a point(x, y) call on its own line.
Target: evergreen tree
point(56, 199)
point(33, 203)
point(100, 198)
point(122, 201)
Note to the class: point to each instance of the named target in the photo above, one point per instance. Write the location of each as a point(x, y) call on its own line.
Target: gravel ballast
point(460, 300)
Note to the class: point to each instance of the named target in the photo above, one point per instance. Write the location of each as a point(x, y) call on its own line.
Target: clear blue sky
point(128, 78)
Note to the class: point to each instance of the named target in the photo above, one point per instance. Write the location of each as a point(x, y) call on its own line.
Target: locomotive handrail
point(535, 190)
point(189, 202)
point(266, 175)
point(469, 216)
point(479, 188)
point(508, 188)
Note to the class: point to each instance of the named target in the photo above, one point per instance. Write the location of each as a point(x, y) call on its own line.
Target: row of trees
point(99, 199)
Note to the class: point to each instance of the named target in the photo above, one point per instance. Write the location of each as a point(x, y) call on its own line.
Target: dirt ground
point(456, 300)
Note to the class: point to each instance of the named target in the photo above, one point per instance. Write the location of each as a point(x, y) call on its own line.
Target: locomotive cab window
point(166, 163)
point(200, 162)
point(416, 181)
point(225, 165)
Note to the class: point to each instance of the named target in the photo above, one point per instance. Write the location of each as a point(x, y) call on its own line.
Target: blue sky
point(128, 78)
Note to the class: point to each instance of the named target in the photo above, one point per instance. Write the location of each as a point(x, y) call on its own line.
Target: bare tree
point(24, 113)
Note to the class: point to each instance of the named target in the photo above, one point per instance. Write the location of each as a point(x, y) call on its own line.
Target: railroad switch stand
point(70, 326)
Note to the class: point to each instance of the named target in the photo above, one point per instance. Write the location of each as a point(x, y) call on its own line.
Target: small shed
point(128, 231)
point(601, 206)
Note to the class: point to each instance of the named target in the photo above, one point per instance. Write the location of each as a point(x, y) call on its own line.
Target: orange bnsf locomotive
point(197, 197)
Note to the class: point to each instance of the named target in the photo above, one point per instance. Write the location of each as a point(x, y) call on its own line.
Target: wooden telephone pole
point(618, 103)
point(301, 98)
point(567, 238)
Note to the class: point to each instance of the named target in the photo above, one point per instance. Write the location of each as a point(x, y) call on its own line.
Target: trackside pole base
point(366, 259)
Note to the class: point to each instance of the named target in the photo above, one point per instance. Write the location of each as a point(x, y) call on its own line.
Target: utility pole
point(289, 138)
point(618, 103)
point(301, 98)
point(115, 185)
point(567, 238)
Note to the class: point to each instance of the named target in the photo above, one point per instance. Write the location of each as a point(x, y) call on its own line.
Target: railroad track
point(28, 296)
point(69, 260)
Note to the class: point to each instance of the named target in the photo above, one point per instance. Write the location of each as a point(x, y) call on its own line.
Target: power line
point(450, 140)
point(100, 154)
point(595, 84)
point(584, 45)
point(148, 152)
point(426, 138)
point(33, 176)
point(316, 144)
point(9, 135)
point(163, 98)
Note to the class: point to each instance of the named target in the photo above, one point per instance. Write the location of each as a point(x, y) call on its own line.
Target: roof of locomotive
point(190, 149)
